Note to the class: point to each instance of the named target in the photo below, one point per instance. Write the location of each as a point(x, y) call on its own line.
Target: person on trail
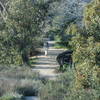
point(46, 46)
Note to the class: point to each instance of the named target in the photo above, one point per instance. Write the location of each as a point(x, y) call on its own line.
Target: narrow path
point(46, 65)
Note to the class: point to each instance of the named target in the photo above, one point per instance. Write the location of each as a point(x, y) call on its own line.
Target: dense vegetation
point(23, 23)
point(17, 82)
point(82, 83)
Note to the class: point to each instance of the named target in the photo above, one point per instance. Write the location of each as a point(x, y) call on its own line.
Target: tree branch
point(3, 10)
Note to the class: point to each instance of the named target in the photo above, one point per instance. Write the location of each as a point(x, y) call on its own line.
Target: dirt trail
point(46, 65)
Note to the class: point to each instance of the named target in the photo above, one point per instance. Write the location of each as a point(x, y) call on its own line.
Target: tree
point(61, 15)
point(22, 31)
point(87, 49)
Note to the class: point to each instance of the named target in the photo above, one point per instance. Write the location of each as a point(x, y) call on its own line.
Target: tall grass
point(64, 88)
point(18, 80)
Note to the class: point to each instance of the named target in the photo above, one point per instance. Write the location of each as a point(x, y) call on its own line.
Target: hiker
point(46, 46)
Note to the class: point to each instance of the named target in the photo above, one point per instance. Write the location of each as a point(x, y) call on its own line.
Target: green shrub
point(64, 88)
point(65, 67)
point(56, 90)
point(11, 96)
point(82, 95)
point(7, 98)
point(29, 87)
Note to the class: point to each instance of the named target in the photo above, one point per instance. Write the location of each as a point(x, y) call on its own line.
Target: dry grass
point(19, 80)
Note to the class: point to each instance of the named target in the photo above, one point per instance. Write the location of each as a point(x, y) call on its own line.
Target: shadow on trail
point(50, 60)
point(43, 63)
point(47, 65)
point(44, 67)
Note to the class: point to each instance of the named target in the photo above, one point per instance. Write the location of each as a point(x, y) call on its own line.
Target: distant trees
point(61, 15)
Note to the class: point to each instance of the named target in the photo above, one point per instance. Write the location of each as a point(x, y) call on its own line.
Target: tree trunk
point(25, 57)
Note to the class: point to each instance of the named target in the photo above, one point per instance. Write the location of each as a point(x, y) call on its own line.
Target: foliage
point(9, 54)
point(72, 29)
point(19, 80)
point(60, 43)
point(61, 14)
point(66, 67)
point(82, 83)
point(11, 96)
point(20, 34)
point(82, 95)
point(22, 27)
point(64, 88)
point(56, 90)
point(86, 46)
point(92, 19)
